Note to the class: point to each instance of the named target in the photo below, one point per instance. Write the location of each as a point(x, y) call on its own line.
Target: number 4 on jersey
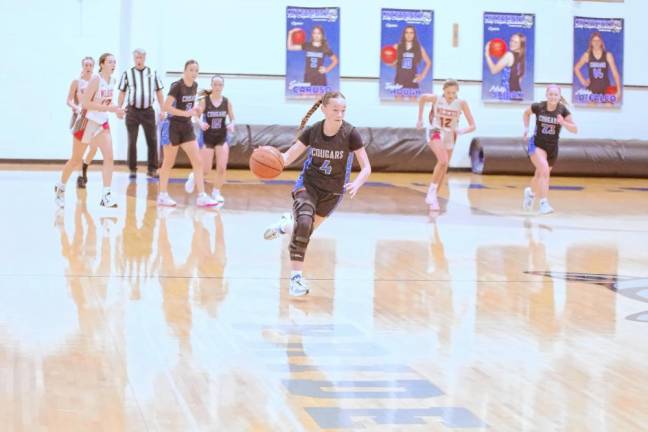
point(326, 167)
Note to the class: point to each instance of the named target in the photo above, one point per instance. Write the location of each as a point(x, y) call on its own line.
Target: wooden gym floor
point(482, 318)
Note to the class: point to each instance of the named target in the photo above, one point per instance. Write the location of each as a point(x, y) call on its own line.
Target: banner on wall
point(598, 61)
point(312, 51)
point(406, 42)
point(508, 59)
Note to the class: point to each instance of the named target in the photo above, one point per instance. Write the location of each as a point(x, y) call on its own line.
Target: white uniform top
point(445, 116)
point(104, 96)
point(81, 86)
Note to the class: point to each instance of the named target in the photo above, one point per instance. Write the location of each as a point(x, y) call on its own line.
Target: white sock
point(164, 194)
point(295, 273)
point(216, 191)
point(106, 190)
point(432, 188)
point(544, 200)
point(61, 186)
point(202, 194)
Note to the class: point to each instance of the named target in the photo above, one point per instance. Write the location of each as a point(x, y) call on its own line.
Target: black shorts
point(324, 202)
point(181, 132)
point(214, 140)
point(550, 149)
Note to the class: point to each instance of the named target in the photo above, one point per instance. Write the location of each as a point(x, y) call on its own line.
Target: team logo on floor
point(635, 288)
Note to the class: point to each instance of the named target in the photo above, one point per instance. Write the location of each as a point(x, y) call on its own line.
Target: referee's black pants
point(145, 117)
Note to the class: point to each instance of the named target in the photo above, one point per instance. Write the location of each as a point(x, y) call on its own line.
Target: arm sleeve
point(305, 136)
point(355, 140)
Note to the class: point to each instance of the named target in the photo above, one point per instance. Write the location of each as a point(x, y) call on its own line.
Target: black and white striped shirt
point(141, 85)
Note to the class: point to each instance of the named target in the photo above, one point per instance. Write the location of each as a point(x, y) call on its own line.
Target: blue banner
point(598, 61)
point(312, 51)
point(509, 50)
point(406, 41)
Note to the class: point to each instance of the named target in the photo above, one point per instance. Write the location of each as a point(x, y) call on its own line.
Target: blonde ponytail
point(309, 114)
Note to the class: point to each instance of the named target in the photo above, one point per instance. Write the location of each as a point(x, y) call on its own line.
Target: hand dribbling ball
point(266, 162)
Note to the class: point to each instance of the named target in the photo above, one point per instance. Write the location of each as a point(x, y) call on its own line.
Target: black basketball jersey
point(314, 60)
point(329, 161)
point(547, 128)
point(215, 116)
point(406, 66)
point(599, 74)
point(516, 74)
point(185, 98)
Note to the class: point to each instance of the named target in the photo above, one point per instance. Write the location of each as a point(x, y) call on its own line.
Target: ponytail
point(321, 101)
point(310, 113)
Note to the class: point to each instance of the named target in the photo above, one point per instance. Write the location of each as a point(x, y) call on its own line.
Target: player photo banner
point(598, 62)
point(509, 50)
point(313, 51)
point(406, 42)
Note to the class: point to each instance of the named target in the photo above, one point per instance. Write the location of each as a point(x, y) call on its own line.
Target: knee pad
point(304, 215)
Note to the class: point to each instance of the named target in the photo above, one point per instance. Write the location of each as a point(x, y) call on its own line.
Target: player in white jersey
point(97, 102)
point(77, 87)
point(442, 131)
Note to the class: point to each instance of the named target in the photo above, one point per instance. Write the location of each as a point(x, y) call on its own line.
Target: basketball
point(388, 54)
point(497, 47)
point(298, 37)
point(266, 162)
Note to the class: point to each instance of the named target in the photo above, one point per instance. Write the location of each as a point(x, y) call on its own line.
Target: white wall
point(44, 41)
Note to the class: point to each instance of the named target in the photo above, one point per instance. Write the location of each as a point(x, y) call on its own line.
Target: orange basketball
point(298, 37)
point(266, 162)
point(497, 47)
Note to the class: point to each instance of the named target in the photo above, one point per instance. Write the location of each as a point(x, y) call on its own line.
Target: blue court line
point(567, 188)
point(279, 182)
point(477, 186)
point(636, 189)
point(379, 184)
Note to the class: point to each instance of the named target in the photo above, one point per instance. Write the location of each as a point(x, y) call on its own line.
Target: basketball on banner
point(497, 47)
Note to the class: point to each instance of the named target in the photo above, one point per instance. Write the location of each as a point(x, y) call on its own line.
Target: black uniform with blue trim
point(314, 60)
point(180, 128)
point(547, 130)
point(215, 116)
point(327, 167)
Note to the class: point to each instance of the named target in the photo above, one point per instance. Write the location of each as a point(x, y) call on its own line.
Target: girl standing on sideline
point(442, 132)
point(324, 179)
point(551, 116)
point(181, 103)
point(97, 103)
point(215, 109)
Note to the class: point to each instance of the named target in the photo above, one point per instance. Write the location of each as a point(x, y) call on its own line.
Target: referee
point(141, 83)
